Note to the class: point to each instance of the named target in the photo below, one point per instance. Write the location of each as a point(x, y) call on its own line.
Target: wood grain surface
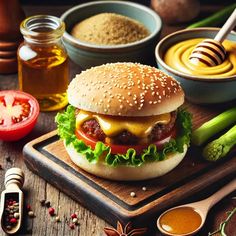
point(36, 189)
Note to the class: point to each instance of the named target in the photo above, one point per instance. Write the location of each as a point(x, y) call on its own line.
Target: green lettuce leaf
point(66, 130)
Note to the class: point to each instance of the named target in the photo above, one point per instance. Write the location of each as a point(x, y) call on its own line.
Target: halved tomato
point(122, 149)
point(18, 114)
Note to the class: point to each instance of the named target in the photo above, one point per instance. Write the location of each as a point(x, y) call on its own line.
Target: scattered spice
point(47, 204)
point(126, 231)
point(28, 207)
point(51, 211)
point(109, 29)
point(8, 159)
point(31, 214)
point(133, 194)
point(72, 226)
point(75, 221)
point(73, 216)
point(42, 202)
point(223, 224)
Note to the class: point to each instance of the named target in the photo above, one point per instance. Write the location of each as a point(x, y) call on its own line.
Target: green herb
point(214, 126)
point(216, 19)
point(218, 148)
point(223, 224)
point(66, 130)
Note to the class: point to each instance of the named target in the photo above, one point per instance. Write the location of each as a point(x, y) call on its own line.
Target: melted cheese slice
point(113, 125)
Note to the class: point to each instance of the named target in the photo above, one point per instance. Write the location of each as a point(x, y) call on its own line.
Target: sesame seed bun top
point(125, 89)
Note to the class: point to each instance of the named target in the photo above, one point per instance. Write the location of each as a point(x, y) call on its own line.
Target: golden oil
point(43, 62)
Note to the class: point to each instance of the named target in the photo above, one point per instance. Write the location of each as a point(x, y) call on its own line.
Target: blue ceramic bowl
point(88, 55)
point(197, 88)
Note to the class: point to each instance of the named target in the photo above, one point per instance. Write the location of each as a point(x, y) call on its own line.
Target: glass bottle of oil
point(43, 62)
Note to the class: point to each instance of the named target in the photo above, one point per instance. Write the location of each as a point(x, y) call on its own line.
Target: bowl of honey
point(202, 84)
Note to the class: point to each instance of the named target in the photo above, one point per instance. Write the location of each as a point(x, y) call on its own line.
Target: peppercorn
point(73, 216)
point(75, 221)
point(47, 204)
point(133, 194)
point(144, 188)
point(72, 226)
point(28, 207)
point(13, 220)
point(16, 215)
point(42, 202)
point(51, 211)
point(31, 214)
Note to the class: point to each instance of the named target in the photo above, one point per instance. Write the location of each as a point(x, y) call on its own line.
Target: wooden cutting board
point(111, 200)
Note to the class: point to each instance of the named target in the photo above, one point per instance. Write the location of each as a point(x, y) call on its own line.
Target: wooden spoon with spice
point(188, 219)
point(211, 52)
point(12, 201)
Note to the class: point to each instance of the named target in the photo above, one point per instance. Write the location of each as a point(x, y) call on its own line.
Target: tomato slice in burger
point(122, 149)
point(18, 114)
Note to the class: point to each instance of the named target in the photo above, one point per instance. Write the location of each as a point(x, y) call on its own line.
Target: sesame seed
point(133, 194)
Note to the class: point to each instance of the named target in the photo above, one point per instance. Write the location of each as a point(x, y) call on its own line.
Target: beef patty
point(159, 131)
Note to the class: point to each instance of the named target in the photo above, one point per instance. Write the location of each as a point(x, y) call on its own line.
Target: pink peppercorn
point(51, 211)
point(73, 216)
point(28, 207)
point(13, 220)
point(72, 226)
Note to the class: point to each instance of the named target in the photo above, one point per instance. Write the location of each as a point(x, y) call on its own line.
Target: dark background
point(75, 2)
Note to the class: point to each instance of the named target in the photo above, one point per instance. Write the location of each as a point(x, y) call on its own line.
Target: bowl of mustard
point(202, 84)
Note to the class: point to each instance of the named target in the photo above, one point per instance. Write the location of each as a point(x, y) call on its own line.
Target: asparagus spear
point(218, 148)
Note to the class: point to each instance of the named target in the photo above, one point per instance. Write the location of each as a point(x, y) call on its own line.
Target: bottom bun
point(148, 170)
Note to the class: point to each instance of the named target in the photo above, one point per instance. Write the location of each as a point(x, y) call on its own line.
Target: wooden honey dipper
point(211, 52)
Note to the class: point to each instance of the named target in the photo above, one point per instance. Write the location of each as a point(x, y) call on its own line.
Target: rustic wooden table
point(36, 188)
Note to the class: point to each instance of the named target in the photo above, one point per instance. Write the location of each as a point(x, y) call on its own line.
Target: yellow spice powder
point(109, 29)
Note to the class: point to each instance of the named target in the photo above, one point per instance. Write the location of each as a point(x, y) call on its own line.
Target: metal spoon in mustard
point(188, 219)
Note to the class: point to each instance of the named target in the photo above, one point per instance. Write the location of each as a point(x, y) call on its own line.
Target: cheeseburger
point(124, 122)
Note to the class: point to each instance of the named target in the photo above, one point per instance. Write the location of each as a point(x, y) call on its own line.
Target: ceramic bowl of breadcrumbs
point(111, 31)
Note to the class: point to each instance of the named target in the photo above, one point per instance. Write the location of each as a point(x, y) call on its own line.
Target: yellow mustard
point(177, 57)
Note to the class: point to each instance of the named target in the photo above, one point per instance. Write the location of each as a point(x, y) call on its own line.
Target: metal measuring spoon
point(201, 208)
point(211, 52)
point(14, 180)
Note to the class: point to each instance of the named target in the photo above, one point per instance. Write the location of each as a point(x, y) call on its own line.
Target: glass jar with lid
point(43, 61)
